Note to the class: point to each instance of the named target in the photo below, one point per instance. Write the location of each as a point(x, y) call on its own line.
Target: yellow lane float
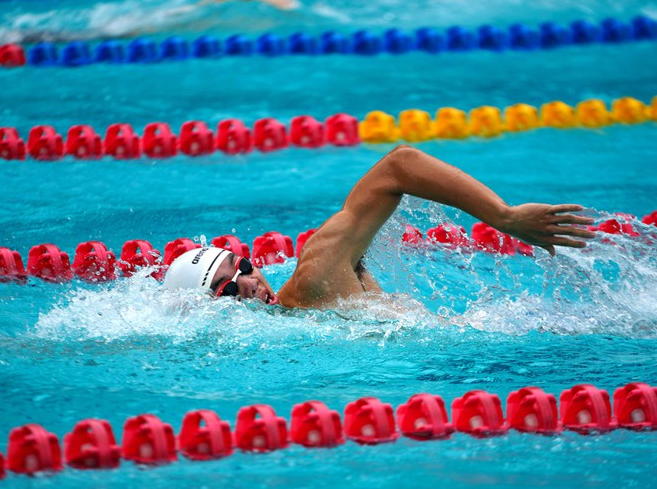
point(558, 114)
point(378, 127)
point(629, 110)
point(593, 113)
point(451, 123)
point(521, 117)
point(416, 125)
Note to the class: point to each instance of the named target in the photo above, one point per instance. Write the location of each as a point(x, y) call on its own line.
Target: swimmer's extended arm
point(407, 170)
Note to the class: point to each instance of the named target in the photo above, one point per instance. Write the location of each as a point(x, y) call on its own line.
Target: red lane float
point(43, 143)
point(258, 429)
point(412, 236)
point(478, 413)
point(650, 219)
point(424, 417)
point(489, 239)
point(173, 249)
point(121, 142)
point(158, 141)
point(342, 130)
point(315, 425)
point(32, 449)
point(613, 226)
point(139, 253)
point(49, 263)
point(301, 240)
point(11, 266)
point(12, 147)
point(92, 445)
point(147, 440)
point(82, 142)
point(204, 436)
point(196, 139)
point(635, 406)
point(586, 409)
point(3, 472)
point(232, 243)
point(233, 137)
point(93, 262)
point(270, 248)
point(448, 234)
point(531, 410)
point(12, 55)
point(307, 132)
point(368, 421)
point(269, 135)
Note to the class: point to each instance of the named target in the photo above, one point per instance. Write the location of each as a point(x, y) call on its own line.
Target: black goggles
point(229, 287)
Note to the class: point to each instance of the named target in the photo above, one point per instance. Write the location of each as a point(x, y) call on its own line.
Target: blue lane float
point(517, 37)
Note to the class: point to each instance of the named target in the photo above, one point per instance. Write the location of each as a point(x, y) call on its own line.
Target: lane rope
point(148, 440)
point(94, 262)
point(519, 37)
point(233, 137)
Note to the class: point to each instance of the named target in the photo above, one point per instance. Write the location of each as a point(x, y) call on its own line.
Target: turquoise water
point(453, 322)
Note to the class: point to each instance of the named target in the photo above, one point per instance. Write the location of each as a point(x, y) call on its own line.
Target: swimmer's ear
point(550, 249)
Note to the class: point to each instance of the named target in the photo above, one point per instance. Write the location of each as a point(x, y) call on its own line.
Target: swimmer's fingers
point(571, 219)
point(563, 241)
point(571, 231)
point(555, 209)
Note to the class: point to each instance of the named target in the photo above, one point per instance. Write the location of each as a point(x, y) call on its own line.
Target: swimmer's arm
point(407, 170)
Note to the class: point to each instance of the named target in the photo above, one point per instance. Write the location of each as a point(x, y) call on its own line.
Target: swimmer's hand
point(547, 226)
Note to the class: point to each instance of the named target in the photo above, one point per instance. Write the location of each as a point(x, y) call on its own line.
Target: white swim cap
point(195, 269)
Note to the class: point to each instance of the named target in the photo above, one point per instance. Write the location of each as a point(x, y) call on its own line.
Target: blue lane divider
point(519, 37)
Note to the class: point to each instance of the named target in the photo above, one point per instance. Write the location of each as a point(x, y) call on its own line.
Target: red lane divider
point(32, 449)
point(138, 253)
point(424, 417)
point(258, 429)
point(82, 142)
point(368, 421)
point(195, 139)
point(121, 142)
point(635, 406)
point(11, 266)
point(272, 248)
point(12, 147)
point(44, 143)
point(91, 445)
point(479, 413)
point(313, 424)
point(234, 137)
point(3, 472)
point(147, 440)
point(531, 410)
point(12, 55)
point(585, 409)
point(93, 262)
point(232, 243)
point(204, 436)
point(49, 263)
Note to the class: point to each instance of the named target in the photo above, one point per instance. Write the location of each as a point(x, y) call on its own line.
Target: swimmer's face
point(249, 286)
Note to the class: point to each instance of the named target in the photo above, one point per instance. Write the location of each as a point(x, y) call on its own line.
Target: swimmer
point(330, 266)
point(117, 26)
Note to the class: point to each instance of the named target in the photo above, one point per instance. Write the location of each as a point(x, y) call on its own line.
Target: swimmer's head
point(218, 272)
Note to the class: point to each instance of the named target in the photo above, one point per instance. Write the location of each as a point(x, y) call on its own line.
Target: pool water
point(453, 322)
